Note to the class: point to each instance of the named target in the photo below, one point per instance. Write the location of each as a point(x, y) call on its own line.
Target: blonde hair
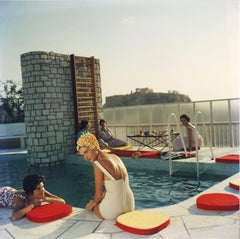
point(87, 140)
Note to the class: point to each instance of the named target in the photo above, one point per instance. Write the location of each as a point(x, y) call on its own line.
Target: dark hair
point(31, 181)
point(83, 124)
point(184, 116)
point(102, 121)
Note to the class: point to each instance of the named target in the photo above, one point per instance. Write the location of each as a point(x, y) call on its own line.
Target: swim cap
point(89, 141)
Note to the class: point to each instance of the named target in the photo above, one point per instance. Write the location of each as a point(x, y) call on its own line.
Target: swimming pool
point(73, 180)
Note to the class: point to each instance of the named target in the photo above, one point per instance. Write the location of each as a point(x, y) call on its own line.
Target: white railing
point(220, 127)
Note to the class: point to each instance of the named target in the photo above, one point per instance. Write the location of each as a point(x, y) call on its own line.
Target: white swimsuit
point(178, 146)
point(118, 198)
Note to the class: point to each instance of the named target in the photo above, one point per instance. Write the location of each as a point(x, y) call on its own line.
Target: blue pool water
point(73, 180)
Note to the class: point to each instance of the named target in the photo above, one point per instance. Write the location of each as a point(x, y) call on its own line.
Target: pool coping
point(187, 221)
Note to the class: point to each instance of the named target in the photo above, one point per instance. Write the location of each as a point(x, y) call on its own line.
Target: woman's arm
point(99, 193)
point(16, 215)
point(51, 198)
point(190, 137)
point(99, 179)
point(105, 135)
point(21, 208)
point(101, 135)
point(110, 134)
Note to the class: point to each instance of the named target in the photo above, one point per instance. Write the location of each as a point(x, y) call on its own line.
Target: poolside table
point(155, 142)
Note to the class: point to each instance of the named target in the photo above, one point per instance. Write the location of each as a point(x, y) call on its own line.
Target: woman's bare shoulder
point(111, 157)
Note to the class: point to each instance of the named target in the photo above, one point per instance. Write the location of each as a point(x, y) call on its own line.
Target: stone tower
point(49, 106)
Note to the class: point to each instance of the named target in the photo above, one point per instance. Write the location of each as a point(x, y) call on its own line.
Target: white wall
point(15, 129)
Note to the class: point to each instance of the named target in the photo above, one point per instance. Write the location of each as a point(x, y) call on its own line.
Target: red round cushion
point(235, 183)
point(49, 212)
point(143, 222)
point(218, 202)
point(230, 158)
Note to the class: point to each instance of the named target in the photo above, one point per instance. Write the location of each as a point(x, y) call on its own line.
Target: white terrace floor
point(186, 220)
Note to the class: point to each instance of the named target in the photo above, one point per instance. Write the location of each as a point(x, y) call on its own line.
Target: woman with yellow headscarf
point(113, 195)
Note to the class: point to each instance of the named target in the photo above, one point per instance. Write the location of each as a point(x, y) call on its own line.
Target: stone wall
point(49, 106)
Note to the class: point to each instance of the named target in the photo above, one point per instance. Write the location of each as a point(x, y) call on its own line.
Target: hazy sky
point(190, 46)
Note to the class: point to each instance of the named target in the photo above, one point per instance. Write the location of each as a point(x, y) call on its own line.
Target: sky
point(188, 46)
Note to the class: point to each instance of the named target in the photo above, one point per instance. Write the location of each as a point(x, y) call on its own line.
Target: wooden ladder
point(84, 91)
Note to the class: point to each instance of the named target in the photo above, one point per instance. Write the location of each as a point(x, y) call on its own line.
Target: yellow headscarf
point(89, 141)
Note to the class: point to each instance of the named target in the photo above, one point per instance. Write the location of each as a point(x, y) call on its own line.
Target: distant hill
point(144, 96)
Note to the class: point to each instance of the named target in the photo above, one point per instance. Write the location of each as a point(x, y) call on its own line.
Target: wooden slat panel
point(83, 79)
point(85, 102)
point(90, 111)
point(84, 98)
point(90, 104)
point(85, 89)
point(84, 107)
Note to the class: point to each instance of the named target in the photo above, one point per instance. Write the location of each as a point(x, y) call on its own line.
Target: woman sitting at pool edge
point(110, 172)
point(189, 139)
point(32, 195)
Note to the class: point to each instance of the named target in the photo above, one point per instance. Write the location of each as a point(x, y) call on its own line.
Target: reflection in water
point(154, 188)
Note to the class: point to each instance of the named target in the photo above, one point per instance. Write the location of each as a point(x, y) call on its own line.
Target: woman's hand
point(90, 205)
point(51, 198)
point(36, 202)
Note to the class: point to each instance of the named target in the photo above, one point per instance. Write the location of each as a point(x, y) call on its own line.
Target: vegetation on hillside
point(145, 97)
point(11, 100)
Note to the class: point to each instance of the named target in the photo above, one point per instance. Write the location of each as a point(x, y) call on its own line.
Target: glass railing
point(219, 124)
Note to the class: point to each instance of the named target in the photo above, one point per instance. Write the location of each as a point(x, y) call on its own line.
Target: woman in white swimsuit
point(189, 139)
point(109, 173)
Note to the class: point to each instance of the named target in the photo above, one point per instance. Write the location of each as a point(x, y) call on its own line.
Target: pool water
point(74, 182)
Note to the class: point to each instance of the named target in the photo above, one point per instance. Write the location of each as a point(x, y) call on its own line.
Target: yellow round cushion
point(143, 222)
point(235, 183)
